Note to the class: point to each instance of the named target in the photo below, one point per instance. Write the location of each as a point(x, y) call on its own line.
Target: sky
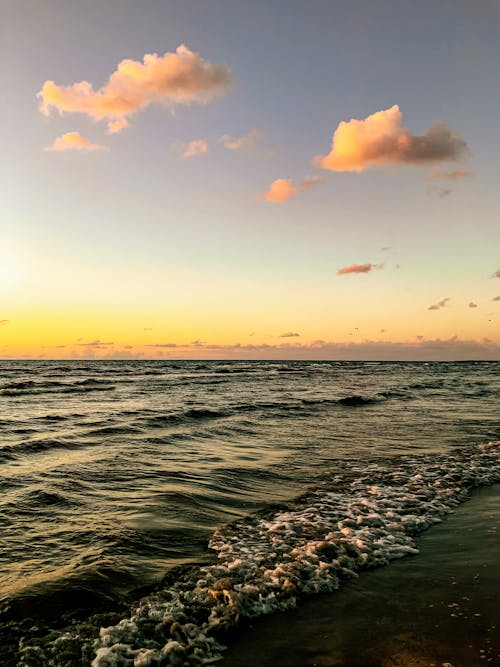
point(311, 179)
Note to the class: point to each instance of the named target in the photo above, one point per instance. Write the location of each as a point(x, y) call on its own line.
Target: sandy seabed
point(440, 608)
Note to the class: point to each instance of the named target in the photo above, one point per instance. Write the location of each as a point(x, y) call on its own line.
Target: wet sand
point(440, 608)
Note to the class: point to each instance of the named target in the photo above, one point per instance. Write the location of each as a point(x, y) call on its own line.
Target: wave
point(112, 429)
point(148, 418)
point(365, 517)
point(36, 388)
point(191, 415)
point(39, 497)
point(58, 418)
point(352, 401)
point(28, 384)
point(10, 452)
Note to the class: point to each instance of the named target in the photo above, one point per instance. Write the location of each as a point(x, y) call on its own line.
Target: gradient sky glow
point(193, 205)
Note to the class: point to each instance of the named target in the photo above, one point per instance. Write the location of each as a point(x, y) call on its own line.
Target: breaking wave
point(365, 516)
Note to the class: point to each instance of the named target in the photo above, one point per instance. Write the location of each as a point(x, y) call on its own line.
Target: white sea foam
point(365, 517)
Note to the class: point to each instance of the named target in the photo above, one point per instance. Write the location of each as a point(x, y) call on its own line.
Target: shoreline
point(437, 608)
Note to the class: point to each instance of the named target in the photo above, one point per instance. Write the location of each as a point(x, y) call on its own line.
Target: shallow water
point(440, 607)
point(112, 473)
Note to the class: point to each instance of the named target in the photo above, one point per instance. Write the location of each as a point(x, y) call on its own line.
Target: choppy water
point(113, 474)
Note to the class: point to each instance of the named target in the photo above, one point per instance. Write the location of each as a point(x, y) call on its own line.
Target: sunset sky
point(229, 179)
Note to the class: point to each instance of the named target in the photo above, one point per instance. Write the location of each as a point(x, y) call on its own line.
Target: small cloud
point(380, 139)
point(191, 148)
point(449, 175)
point(181, 77)
point(148, 328)
point(311, 181)
point(495, 298)
point(117, 125)
point(3, 322)
point(356, 268)
point(445, 192)
point(472, 304)
point(281, 190)
point(95, 343)
point(73, 141)
point(161, 345)
point(240, 143)
point(496, 274)
point(439, 304)
point(386, 248)
point(289, 334)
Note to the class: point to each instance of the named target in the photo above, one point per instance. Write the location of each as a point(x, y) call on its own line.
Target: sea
point(149, 508)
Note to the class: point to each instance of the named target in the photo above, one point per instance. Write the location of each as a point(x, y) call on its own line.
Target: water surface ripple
point(113, 473)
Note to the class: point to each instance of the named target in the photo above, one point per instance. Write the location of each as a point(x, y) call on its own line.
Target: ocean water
point(146, 508)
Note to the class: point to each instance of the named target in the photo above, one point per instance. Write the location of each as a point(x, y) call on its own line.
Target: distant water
point(164, 500)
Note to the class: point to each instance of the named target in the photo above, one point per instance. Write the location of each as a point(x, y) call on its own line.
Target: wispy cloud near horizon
point(417, 349)
point(95, 343)
point(439, 304)
point(358, 268)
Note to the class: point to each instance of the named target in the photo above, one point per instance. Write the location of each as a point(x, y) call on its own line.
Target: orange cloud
point(356, 268)
point(3, 322)
point(284, 188)
point(192, 148)
point(380, 139)
point(439, 304)
point(117, 125)
point(73, 141)
point(472, 304)
point(174, 78)
point(95, 343)
point(289, 334)
point(280, 190)
point(495, 298)
point(450, 175)
point(496, 274)
point(161, 345)
point(239, 143)
point(311, 181)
